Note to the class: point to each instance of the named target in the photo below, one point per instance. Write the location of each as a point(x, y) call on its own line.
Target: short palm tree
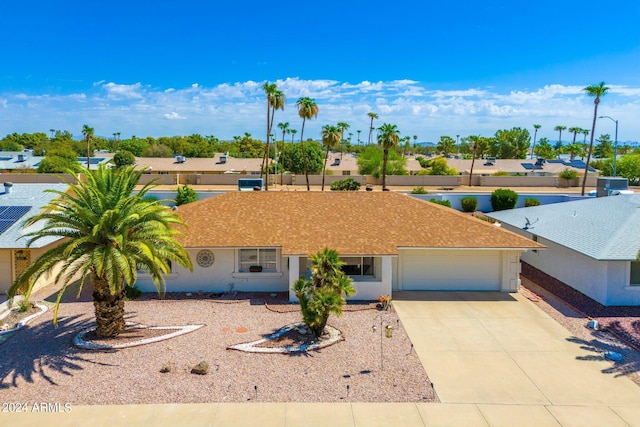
point(597, 91)
point(324, 293)
point(108, 234)
point(307, 109)
point(293, 134)
point(585, 133)
point(388, 138)
point(372, 116)
point(87, 131)
point(331, 136)
point(535, 136)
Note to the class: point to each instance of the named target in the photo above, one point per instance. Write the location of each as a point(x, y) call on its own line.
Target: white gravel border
point(80, 342)
point(251, 347)
point(43, 309)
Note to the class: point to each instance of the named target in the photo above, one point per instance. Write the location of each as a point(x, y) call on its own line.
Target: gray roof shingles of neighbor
point(604, 228)
point(34, 196)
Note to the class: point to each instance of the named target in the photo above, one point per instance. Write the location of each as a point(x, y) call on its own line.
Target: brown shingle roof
point(353, 223)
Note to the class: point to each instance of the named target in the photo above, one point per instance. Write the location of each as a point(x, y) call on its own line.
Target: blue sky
point(181, 67)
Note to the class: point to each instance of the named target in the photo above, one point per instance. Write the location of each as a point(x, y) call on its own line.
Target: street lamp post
point(615, 143)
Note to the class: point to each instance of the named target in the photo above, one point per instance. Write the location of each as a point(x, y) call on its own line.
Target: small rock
point(303, 331)
point(165, 368)
point(201, 368)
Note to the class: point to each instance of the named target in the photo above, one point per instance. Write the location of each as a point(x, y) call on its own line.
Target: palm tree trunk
point(324, 166)
point(473, 160)
point(384, 169)
point(593, 129)
point(109, 309)
point(304, 157)
point(282, 160)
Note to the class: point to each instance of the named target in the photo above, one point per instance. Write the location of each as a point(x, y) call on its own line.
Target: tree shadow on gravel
point(598, 347)
point(42, 349)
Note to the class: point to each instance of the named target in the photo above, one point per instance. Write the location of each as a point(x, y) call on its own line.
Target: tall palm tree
point(372, 116)
point(597, 91)
point(575, 131)
point(343, 126)
point(388, 137)
point(560, 128)
point(535, 136)
point(474, 150)
point(88, 136)
point(307, 109)
point(293, 134)
point(53, 131)
point(358, 136)
point(331, 137)
point(108, 233)
point(272, 92)
point(284, 127)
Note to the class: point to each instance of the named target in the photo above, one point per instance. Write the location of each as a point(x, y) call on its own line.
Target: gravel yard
point(39, 363)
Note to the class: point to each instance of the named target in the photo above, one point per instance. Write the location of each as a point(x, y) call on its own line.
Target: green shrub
point(501, 173)
point(441, 202)
point(568, 174)
point(419, 190)
point(502, 199)
point(469, 204)
point(531, 201)
point(186, 195)
point(424, 163)
point(347, 184)
point(124, 158)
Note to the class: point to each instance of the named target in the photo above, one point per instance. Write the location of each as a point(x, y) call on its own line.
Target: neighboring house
point(592, 244)
point(220, 164)
point(20, 202)
point(526, 167)
point(260, 241)
point(19, 161)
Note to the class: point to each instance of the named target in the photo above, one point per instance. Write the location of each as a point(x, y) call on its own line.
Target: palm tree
point(372, 116)
point(535, 136)
point(53, 131)
point(343, 126)
point(560, 128)
point(293, 134)
point(474, 139)
point(584, 132)
point(88, 135)
point(358, 136)
point(407, 141)
point(331, 136)
point(324, 292)
point(596, 91)
point(388, 137)
point(107, 234)
point(307, 109)
point(275, 100)
point(285, 129)
point(575, 131)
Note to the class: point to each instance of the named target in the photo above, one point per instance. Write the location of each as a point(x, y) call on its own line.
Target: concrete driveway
point(501, 353)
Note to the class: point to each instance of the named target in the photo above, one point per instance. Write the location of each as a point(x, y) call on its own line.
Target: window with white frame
point(257, 259)
point(634, 277)
point(358, 266)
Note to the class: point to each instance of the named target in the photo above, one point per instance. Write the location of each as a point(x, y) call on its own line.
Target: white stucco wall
point(605, 281)
point(222, 276)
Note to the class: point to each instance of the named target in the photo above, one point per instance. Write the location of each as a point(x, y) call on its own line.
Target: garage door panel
point(473, 270)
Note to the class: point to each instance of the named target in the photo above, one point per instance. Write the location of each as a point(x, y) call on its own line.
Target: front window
point(634, 277)
point(358, 266)
point(257, 259)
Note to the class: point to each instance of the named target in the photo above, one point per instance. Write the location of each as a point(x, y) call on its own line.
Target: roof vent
point(181, 159)
point(7, 187)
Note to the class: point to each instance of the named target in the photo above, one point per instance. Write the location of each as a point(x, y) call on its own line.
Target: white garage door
point(449, 270)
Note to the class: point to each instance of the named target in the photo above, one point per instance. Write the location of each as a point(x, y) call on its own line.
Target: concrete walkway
point(495, 360)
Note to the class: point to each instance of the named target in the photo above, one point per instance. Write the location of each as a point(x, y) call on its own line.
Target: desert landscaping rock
point(202, 368)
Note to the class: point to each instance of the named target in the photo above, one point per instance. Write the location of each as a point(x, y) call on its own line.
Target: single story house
point(592, 244)
point(21, 161)
point(260, 241)
point(17, 203)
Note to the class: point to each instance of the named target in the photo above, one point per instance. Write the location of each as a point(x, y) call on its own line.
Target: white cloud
point(118, 91)
point(173, 116)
